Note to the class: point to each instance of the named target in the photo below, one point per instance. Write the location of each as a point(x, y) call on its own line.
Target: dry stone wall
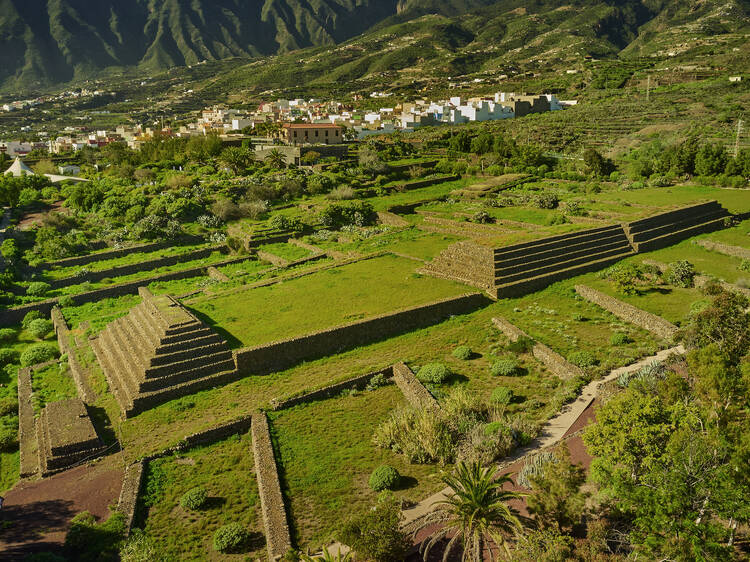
point(122, 270)
point(702, 280)
point(281, 355)
point(63, 341)
point(278, 538)
point(358, 382)
point(278, 261)
point(413, 390)
point(555, 362)
point(734, 251)
point(131, 486)
point(26, 425)
point(629, 313)
point(110, 254)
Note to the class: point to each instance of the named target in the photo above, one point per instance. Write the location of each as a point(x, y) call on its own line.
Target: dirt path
point(36, 513)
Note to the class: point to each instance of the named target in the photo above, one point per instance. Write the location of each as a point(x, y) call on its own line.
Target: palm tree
point(476, 514)
point(275, 158)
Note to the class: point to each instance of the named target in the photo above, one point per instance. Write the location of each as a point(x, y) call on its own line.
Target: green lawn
point(322, 300)
point(285, 250)
point(227, 471)
point(50, 384)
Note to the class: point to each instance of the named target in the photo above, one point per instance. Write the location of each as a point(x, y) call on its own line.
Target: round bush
point(37, 289)
point(501, 395)
point(194, 498)
point(434, 373)
point(619, 338)
point(40, 328)
point(65, 301)
point(523, 344)
point(583, 359)
point(504, 368)
point(7, 335)
point(8, 357)
point(462, 352)
point(681, 274)
point(384, 478)
point(30, 316)
point(38, 353)
point(8, 405)
point(230, 538)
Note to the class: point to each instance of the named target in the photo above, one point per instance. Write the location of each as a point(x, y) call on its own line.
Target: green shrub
point(138, 548)
point(745, 265)
point(8, 357)
point(462, 352)
point(230, 538)
point(376, 533)
point(384, 477)
point(501, 395)
point(523, 344)
point(65, 301)
point(87, 540)
point(195, 498)
point(377, 381)
point(38, 353)
point(583, 359)
point(37, 289)
point(434, 373)
point(7, 335)
point(533, 467)
point(681, 274)
point(8, 405)
point(40, 327)
point(619, 338)
point(31, 315)
point(504, 368)
point(8, 438)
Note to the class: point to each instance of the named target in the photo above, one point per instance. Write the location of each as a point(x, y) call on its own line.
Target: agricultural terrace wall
point(426, 182)
point(122, 270)
point(12, 316)
point(330, 391)
point(646, 320)
point(703, 280)
point(280, 355)
point(63, 341)
point(273, 259)
point(391, 219)
point(407, 167)
point(131, 486)
point(278, 538)
point(408, 208)
point(26, 425)
point(556, 363)
point(734, 251)
point(108, 255)
point(413, 390)
point(217, 275)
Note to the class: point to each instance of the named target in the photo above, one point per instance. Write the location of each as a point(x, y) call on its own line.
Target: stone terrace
point(66, 436)
point(159, 352)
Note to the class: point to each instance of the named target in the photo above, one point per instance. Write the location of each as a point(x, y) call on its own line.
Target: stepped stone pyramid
point(65, 436)
point(523, 268)
point(160, 351)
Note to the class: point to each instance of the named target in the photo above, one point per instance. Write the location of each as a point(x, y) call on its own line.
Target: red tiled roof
point(310, 126)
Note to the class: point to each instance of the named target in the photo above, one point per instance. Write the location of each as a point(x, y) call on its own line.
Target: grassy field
point(50, 384)
point(339, 295)
point(287, 251)
point(227, 472)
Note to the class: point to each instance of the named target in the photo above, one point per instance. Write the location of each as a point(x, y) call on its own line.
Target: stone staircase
point(530, 266)
point(65, 436)
point(665, 229)
point(159, 352)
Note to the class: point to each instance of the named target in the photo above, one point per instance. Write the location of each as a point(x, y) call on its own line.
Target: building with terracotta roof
point(311, 133)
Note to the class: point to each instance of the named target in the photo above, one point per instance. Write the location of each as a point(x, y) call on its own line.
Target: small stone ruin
point(65, 436)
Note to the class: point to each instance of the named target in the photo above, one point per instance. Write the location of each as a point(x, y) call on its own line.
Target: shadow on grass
point(233, 342)
point(456, 378)
point(214, 502)
point(405, 483)
point(659, 290)
point(102, 424)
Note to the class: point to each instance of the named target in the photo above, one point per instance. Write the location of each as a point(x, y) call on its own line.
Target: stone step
point(166, 359)
point(605, 238)
point(207, 339)
point(676, 226)
point(564, 263)
point(119, 365)
point(562, 255)
point(140, 342)
point(219, 365)
point(199, 359)
point(115, 385)
point(145, 323)
point(525, 248)
point(149, 400)
point(127, 343)
point(674, 237)
point(525, 286)
point(200, 330)
point(672, 216)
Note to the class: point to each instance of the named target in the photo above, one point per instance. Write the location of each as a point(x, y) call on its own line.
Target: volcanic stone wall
point(281, 355)
point(734, 251)
point(29, 463)
point(555, 362)
point(278, 538)
point(131, 486)
point(414, 391)
point(63, 341)
point(470, 263)
point(110, 254)
point(629, 313)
